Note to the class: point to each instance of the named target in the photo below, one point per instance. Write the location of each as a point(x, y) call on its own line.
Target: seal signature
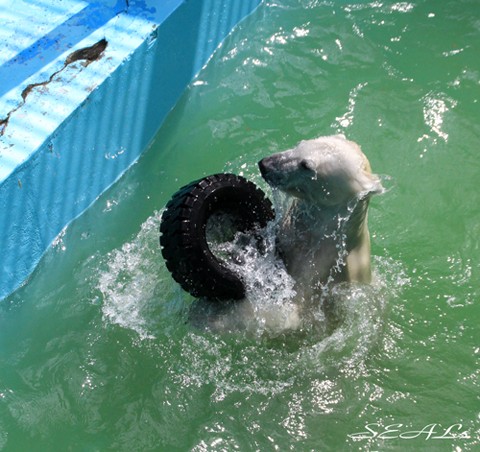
point(375, 430)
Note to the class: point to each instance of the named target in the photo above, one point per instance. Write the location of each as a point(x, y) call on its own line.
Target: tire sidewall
point(203, 273)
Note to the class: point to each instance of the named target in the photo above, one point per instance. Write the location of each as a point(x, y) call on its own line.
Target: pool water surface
point(99, 351)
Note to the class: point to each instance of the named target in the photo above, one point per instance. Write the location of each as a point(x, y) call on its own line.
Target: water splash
point(129, 282)
point(331, 342)
point(136, 289)
point(276, 305)
point(269, 306)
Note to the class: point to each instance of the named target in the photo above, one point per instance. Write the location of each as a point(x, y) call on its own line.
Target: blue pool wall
point(75, 135)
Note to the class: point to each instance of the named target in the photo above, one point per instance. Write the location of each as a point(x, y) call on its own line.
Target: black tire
point(183, 232)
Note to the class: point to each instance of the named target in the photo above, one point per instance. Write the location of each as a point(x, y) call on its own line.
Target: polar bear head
point(327, 171)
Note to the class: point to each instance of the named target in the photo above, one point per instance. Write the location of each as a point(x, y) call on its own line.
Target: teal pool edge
point(71, 126)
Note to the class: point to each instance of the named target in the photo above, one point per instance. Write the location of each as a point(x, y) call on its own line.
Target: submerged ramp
point(84, 87)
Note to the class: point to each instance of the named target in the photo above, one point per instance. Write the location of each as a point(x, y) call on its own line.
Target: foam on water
point(129, 284)
point(328, 342)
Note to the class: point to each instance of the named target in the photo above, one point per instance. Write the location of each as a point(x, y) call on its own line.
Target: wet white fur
point(324, 236)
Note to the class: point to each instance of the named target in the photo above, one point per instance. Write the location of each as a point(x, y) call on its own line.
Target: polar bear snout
point(269, 169)
point(279, 171)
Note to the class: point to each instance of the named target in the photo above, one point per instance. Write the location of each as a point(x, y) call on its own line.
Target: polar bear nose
point(269, 170)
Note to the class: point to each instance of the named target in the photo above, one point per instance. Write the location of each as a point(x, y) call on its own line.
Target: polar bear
point(324, 238)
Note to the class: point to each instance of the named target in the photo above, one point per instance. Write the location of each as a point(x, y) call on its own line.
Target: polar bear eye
point(307, 164)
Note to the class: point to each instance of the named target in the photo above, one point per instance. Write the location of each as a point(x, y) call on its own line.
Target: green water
point(98, 350)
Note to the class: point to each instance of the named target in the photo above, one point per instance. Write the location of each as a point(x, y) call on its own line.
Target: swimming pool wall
point(71, 120)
